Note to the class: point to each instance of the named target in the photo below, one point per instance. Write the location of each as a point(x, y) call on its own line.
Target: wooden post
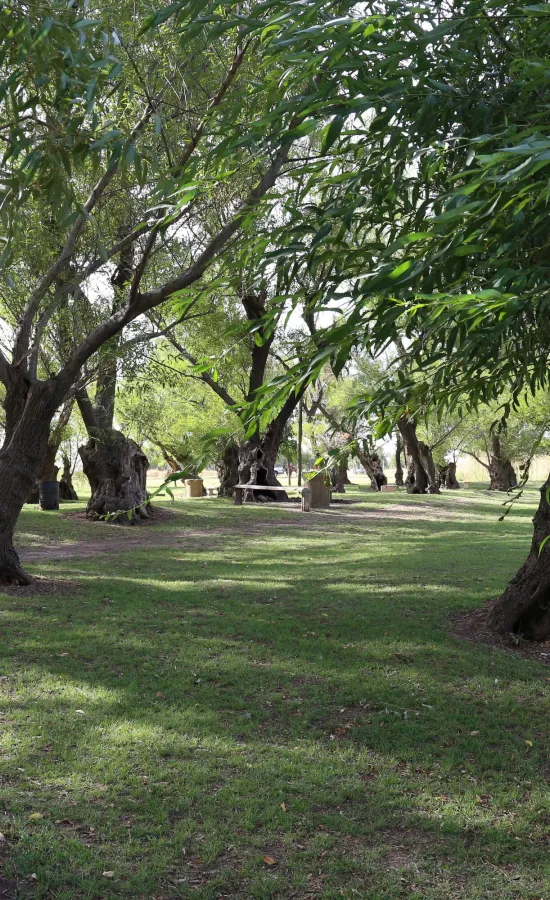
point(306, 499)
point(300, 434)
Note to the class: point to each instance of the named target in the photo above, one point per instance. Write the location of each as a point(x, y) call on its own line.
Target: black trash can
point(48, 494)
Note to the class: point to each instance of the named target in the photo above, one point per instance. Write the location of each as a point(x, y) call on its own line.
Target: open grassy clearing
point(271, 705)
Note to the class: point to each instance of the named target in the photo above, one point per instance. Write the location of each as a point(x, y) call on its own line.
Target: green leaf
point(332, 133)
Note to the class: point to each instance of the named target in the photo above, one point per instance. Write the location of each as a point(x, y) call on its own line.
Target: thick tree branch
point(23, 333)
point(204, 376)
point(149, 300)
point(480, 461)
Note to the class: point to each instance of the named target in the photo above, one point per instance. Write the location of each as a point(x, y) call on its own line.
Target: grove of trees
point(216, 214)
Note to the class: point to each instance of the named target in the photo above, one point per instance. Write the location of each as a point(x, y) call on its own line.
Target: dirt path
point(146, 538)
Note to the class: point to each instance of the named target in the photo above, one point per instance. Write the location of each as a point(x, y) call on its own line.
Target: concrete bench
point(304, 491)
point(212, 491)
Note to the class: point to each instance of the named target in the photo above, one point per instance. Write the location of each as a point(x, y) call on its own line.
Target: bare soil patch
point(40, 587)
point(160, 516)
point(473, 626)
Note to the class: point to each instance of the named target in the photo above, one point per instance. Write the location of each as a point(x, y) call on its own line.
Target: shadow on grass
point(291, 696)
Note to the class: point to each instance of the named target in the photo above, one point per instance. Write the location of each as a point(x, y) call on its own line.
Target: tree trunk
point(257, 458)
point(117, 471)
point(451, 482)
point(339, 476)
point(228, 469)
point(398, 467)
point(524, 607)
point(370, 460)
point(421, 476)
point(501, 470)
point(66, 487)
point(30, 409)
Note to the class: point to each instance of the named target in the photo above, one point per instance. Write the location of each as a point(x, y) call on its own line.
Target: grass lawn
point(271, 706)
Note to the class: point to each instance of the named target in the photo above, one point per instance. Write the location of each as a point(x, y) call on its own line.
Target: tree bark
point(228, 469)
point(451, 482)
point(257, 458)
point(372, 464)
point(49, 469)
point(398, 467)
point(524, 607)
point(446, 476)
point(501, 470)
point(117, 471)
point(339, 476)
point(421, 476)
point(30, 407)
point(66, 487)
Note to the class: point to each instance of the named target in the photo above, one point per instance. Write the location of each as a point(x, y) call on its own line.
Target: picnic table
point(304, 491)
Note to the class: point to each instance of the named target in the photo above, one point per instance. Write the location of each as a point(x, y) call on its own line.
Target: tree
point(444, 226)
point(135, 137)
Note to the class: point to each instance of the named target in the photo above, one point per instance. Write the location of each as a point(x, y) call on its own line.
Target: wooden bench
point(265, 488)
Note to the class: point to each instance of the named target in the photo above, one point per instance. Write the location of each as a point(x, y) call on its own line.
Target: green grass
point(257, 688)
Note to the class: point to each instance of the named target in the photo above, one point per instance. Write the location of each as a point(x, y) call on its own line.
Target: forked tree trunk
point(524, 607)
point(117, 471)
point(398, 454)
point(372, 464)
point(421, 476)
point(228, 469)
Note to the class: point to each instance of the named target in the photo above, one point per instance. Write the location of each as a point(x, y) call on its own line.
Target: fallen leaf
point(108, 874)
point(33, 877)
point(473, 733)
point(2, 838)
point(283, 806)
point(529, 743)
point(34, 817)
point(269, 861)
point(79, 712)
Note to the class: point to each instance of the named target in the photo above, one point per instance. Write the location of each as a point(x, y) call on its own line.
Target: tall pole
point(300, 432)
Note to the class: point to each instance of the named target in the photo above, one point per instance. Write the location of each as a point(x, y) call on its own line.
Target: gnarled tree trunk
point(398, 454)
point(501, 470)
point(339, 476)
point(372, 464)
point(257, 458)
point(30, 407)
point(524, 607)
point(451, 482)
point(228, 469)
point(66, 487)
point(117, 471)
point(447, 476)
point(421, 476)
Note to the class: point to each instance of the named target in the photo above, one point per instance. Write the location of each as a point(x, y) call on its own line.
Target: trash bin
point(193, 487)
point(320, 492)
point(48, 494)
